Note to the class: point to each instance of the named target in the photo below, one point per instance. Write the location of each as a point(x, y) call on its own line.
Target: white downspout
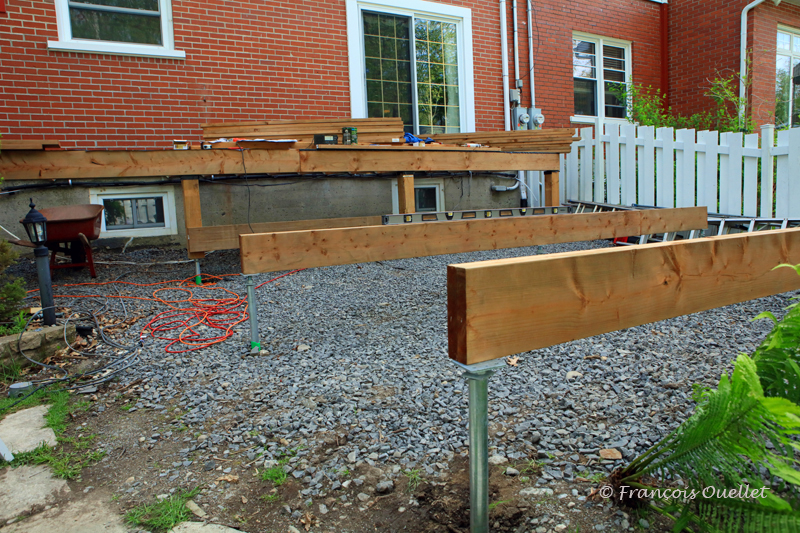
point(504, 60)
point(743, 56)
point(520, 174)
point(530, 176)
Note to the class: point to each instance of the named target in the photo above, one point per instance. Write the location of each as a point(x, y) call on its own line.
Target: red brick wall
point(245, 62)
point(762, 42)
point(553, 22)
point(703, 40)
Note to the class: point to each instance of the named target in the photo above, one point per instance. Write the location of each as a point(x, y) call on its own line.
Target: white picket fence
point(730, 173)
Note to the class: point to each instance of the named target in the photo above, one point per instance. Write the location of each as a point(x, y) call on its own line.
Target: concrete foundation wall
point(270, 200)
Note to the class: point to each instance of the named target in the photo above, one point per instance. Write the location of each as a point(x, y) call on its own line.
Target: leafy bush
point(647, 107)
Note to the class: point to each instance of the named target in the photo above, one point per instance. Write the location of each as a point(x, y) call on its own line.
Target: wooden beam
point(269, 252)
point(422, 160)
point(26, 144)
point(508, 306)
point(405, 194)
point(65, 164)
point(212, 238)
point(192, 215)
point(551, 188)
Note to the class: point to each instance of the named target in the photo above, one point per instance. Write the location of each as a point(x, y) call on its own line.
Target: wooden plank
point(211, 238)
point(390, 148)
point(358, 161)
point(551, 189)
point(192, 215)
point(62, 164)
point(405, 194)
point(307, 121)
point(26, 144)
point(502, 307)
point(269, 252)
point(32, 165)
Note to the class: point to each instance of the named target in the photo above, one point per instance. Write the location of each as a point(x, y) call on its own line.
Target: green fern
point(778, 357)
point(726, 515)
point(734, 431)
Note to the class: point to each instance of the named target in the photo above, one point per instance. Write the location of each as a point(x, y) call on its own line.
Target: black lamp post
point(36, 227)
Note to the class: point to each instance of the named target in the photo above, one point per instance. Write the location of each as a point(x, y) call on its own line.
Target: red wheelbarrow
point(69, 230)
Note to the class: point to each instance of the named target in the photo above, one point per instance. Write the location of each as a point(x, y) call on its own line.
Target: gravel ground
point(354, 370)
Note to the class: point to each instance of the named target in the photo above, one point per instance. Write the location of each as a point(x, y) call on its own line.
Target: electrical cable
point(247, 183)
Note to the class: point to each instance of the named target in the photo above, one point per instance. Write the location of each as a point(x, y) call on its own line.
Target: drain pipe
point(529, 175)
point(530, 56)
point(523, 196)
point(743, 56)
point(504, 60)
point(516, 44)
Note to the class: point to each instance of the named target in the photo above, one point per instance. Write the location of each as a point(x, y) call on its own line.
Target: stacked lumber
point(556, 140)
point(370, 130)
point(25, 144)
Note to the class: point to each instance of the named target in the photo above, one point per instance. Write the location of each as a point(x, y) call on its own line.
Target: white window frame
point(165, 192)
point(461, 16)
point(422, 182)
point(66, 43)
point(791, 54)
point(601, 108)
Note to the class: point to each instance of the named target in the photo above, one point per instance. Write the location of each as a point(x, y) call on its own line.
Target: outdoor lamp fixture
point(36, 227)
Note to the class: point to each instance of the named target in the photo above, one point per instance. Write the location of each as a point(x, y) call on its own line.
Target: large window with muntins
point(414, 62)
point(389, 45)
point(787, 79)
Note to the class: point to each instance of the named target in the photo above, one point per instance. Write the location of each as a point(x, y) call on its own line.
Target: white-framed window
point(119, 27)
point(136, 211)
point(599, 66)
point(412, 59)
point(428, 195)
point(787, 78)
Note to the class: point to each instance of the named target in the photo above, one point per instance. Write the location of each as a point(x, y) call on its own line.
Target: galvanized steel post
point(252, 311)
point(478, 376)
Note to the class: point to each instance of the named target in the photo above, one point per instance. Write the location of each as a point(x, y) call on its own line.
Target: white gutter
point(530, 56)
point(743, 55)
point(504, 60)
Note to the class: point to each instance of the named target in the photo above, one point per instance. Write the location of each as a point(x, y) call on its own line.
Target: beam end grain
point(456, 319)
point(509, 306)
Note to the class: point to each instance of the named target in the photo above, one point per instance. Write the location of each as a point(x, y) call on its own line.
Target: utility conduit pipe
point(743, 55)
point(504, 61)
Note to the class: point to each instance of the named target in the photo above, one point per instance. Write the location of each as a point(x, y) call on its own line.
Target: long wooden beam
point(211, 238)
point(357, 161)
point(269, 252)
point(49, 165)
point(508, 306)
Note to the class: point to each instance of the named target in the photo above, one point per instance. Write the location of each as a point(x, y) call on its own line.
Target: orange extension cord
point(186, 325)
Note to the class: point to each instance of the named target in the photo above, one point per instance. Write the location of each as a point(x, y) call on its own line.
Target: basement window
point(428, 195)
point(136, 212)
point(122, 27)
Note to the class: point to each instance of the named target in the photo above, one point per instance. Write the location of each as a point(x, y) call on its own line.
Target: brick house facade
point(244, 60)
